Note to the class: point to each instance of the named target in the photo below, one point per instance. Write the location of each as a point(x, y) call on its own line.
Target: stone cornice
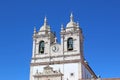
point(52, 75)
point(89, 69)
point(55, 62)
point(55, 56)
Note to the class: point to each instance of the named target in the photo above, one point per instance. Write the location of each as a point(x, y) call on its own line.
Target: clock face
point(55, 48)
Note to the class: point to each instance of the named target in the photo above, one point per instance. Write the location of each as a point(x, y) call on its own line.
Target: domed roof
point(45, 26)
point(71, 23)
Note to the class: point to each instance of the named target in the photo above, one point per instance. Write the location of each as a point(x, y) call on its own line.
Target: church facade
point(59, 61)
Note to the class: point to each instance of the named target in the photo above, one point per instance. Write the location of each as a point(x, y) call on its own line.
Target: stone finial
point(45, 20)
point(62, 27)
point(71, 17)
point(55, 39)
point(77, 24)
point(34, 30)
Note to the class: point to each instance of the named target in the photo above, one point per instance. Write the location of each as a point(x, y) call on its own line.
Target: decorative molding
point(48, 72)
point(71, 51)
point(41, 35)
point(54, 75)
point(74, 39)
point(55, 56)
point(55, 62)
point(70, 32)
point(89, 69)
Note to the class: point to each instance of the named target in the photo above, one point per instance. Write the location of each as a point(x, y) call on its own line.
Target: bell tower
point(42, 40)
point(72, 38)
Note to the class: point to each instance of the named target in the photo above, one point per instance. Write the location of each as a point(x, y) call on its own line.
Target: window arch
point(41, 47)
point(70, 44)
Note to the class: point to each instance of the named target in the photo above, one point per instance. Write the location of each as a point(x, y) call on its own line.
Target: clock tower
point(59, 61)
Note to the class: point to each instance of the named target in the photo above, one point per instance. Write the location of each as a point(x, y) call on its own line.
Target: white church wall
point(71, 70)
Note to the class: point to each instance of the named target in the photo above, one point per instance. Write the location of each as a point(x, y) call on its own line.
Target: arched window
point(70, 44)
point(41, 47)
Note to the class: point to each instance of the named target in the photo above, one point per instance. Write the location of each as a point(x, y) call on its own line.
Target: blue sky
point(99, 20)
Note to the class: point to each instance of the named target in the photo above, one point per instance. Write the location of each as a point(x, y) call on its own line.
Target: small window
point(70, 44)
point(41, 47)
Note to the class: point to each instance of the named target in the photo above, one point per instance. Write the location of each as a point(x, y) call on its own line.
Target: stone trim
point(42, 35)
point(71, 27)
point(66, 33)
point(73, 40)
point(52, 75)
point(41, 40)
point(89, 69)
point(55, 56)
point(70, 32)
point(55, 62)
point(71, 51)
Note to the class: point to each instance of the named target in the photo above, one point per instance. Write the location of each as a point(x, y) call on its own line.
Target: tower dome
point(71, 24)
point(45, 26)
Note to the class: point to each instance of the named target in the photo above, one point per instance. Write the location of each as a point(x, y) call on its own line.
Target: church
point(59, 61)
